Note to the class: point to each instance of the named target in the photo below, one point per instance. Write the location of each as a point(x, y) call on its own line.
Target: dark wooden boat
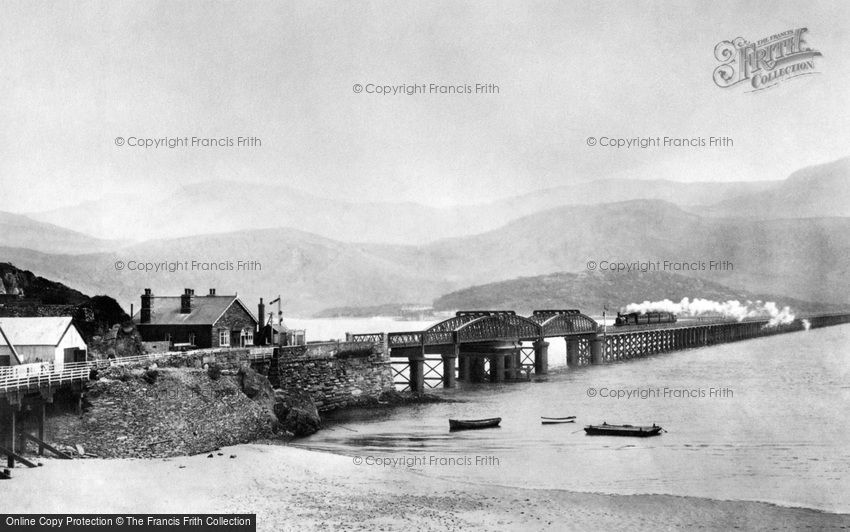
point(622, 430)
point(555, 420)
point(470, 424)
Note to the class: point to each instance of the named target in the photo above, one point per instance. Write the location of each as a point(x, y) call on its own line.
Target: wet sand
point(296, 489)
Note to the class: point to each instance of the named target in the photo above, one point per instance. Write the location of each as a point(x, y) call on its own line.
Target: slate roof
point(206, 310)
point(35, 331)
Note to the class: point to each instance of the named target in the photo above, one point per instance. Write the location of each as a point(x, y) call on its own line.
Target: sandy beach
point(295, 489)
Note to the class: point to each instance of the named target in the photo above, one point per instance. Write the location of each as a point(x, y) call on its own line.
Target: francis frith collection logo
point(766, 62)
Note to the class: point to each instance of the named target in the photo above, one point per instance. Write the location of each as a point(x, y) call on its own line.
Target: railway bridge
point(478, 346)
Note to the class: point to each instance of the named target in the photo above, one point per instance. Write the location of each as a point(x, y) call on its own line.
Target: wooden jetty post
point(13, 438)
point(41, 407)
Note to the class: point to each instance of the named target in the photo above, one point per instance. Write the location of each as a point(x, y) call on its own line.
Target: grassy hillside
point(591, 292)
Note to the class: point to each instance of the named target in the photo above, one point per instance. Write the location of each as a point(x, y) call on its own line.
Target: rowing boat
point(470, 424)
point(622, 430)
point(555, 420)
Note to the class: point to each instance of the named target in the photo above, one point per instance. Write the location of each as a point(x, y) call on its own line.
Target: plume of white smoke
point(731, 309)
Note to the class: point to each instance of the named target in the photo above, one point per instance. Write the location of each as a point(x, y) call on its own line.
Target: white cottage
point(37, 340)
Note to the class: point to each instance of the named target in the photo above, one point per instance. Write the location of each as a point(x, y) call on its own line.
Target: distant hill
point(803, 259)
point(387, 309)
point(816, 191)
point(20, 231)
point(591, 292)
point(202, 208)
point(619, 190)
point(309, 271)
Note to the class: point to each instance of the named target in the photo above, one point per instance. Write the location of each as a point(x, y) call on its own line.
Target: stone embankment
point(159, 412)
point(189, 403)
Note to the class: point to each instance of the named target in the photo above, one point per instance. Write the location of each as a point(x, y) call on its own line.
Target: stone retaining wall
point(335, 374)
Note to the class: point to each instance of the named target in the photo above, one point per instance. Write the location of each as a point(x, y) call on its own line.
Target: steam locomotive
point(637, 318)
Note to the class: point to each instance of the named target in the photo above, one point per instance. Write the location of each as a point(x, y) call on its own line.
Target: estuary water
point(763, 419)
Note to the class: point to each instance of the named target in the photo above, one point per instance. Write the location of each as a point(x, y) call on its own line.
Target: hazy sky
point(76, 75)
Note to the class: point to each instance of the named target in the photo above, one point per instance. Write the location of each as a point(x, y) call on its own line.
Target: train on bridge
point(644, 318)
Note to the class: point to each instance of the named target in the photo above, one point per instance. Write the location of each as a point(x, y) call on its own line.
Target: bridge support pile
point(541, 357)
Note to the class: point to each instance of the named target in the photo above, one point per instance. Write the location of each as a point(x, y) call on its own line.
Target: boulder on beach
point(296, 412)
point(257, 387)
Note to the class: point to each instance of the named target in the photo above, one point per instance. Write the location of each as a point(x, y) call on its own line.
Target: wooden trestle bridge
point(480, 346)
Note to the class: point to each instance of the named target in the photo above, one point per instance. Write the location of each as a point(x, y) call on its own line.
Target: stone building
point(195, 321)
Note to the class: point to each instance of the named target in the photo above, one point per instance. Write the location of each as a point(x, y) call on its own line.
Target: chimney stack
point(187, 301)
point(212, 291)
point(147, 307)
point(261, 318)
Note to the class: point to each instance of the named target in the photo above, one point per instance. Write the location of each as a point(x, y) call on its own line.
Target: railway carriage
point(644, 318)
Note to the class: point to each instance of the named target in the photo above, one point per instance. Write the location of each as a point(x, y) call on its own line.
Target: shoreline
point(294, 488)
point(420, 473)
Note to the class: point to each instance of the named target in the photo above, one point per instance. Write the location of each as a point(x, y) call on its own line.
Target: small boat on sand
point(555, 420)
point(470, 424)
point(622, 430)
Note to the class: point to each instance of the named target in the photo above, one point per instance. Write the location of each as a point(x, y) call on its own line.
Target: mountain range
point(346, 254)
point(21, 231)
point(225, 206)
point(812, 192)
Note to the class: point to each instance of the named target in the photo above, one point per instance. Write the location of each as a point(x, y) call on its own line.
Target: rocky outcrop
point(24, 294)
point(161, 412)
point(121, 340)
point(296, 412)
point(258, 388)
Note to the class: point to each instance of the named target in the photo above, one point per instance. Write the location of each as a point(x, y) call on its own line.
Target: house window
point(247, 337)
point(224, 338)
